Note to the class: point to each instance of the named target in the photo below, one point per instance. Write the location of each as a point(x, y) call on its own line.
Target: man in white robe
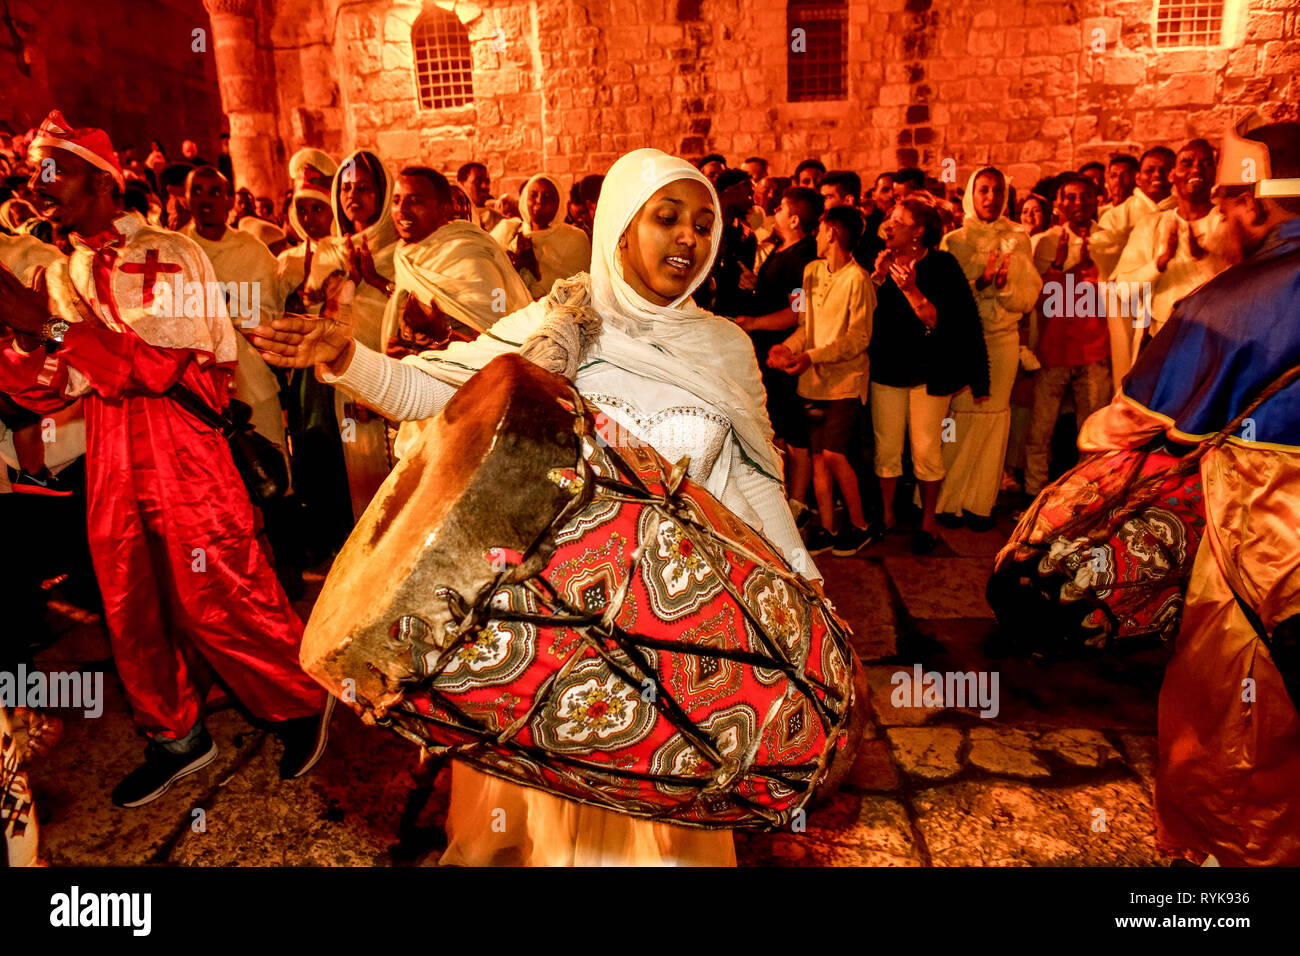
point(1115, 225)
point(452, 280)
point(1175, 250)
point(247, 271)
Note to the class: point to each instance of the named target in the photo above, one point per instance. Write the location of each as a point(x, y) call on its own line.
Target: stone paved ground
point(1061, 776)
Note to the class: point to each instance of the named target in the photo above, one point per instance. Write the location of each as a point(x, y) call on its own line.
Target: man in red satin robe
point(189, 594)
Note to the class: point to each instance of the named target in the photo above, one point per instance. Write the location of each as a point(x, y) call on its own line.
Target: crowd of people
point(917, 343)
point(970, 379)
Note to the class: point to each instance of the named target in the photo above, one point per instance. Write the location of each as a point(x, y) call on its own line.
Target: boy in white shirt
point(828, 351)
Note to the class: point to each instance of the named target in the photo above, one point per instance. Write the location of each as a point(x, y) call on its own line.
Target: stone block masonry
point(568, 85)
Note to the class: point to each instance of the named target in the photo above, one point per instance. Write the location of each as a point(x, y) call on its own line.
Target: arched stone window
point(817, 52)
point(1189, 23)
point(443, 67)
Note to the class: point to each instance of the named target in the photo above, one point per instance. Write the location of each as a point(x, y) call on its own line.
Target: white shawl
point(679, 343)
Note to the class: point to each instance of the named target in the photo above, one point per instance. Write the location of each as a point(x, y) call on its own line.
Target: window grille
point(443, 66)
point(1189, 22)
point(817, 59)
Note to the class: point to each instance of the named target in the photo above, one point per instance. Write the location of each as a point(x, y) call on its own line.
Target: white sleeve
point(767, 498)
point(399, 391)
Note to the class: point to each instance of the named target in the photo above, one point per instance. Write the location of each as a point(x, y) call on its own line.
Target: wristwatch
point(53, 331)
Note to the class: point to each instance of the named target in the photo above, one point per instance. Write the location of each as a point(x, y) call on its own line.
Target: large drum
point(1104, 553)
point(583, 619)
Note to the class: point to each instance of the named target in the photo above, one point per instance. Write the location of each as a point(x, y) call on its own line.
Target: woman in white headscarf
point(361, 250)
point(541, 245)
point(682, 379)
point(996, 257)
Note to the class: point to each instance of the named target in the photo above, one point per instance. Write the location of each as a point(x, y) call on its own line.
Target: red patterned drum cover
point(1104, 552)
point(637, 646)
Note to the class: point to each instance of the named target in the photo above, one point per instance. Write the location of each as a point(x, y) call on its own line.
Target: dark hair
point(816, 164)
point(846, 181)
point(807, 204)
point(1069, 178)
point(756, 159)
point(1092, 165)
point(730, 177)
point(1200, 144)
point(135, 198)
point(887, 174)
point(463, 173)
point(848, 221)
point(441, 188)
point(590, 187)
point(1040, 199)
point(711, 158)
point(1124, 159)
point(175, 174)
point(1046, 188)
point(925, 216)
point(1164, 151)
point(911, 176)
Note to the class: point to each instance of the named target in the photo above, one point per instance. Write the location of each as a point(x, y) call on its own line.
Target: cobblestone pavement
point(1060, 776)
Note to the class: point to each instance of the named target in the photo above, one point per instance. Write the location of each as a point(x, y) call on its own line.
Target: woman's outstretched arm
point(399, 391)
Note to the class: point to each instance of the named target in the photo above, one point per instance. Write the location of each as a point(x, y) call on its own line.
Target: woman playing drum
point(662, 371)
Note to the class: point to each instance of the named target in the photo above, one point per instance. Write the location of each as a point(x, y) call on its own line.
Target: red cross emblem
point(151, 268)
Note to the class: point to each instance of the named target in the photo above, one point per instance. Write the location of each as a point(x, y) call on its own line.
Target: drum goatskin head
point(474, 480)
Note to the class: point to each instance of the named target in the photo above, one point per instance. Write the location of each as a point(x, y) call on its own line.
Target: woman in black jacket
point(926, 345)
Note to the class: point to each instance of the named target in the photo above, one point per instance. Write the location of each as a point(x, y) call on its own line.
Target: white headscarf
point(528, 228)
point(679, 343)
point(630, 183)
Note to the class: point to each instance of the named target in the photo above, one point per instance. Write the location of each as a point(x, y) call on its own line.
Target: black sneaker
point(923, 542)
point(851, 540)
point(26, 483)
point(304, 741)
point(980, 523)
point(949, 520)
point(162, 768)
point(820, 541)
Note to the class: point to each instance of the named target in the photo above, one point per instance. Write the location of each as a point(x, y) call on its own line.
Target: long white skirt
point(491, 822)
point(974, 462)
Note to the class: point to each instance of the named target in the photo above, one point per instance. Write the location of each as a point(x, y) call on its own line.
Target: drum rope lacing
point(597, 630)
point(1085, 528)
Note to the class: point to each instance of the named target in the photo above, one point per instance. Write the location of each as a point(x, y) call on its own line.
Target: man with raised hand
point(1175, 250)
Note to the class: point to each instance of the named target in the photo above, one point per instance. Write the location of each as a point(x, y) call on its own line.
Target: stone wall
point(1035, 86)
point(128, 66)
